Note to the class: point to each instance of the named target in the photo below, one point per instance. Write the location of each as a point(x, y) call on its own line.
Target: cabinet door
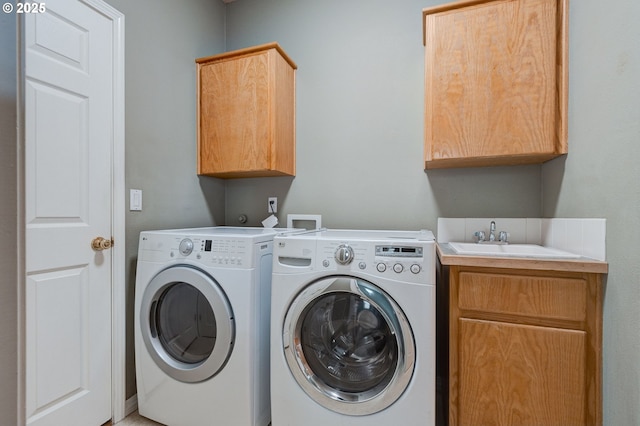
point(513, 374)
point(495, 83)
point(235, 99)
point(246, 113)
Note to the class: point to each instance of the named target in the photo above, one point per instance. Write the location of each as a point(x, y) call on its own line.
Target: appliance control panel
point(210, 251)
point(406, 261)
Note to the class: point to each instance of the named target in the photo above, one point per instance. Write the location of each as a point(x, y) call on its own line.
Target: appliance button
point(381, 267)
point(325, 263)
point(362, 265)
point(415, 268)
point(398, 268)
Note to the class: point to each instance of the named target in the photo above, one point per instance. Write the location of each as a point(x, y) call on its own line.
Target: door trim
point(118, 194)
point(118, 274)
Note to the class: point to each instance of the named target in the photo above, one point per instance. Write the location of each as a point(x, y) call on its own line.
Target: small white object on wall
point(270, 222)
point(315, 218)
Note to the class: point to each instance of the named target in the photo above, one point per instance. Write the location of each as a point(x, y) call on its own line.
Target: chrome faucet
point(503, 236)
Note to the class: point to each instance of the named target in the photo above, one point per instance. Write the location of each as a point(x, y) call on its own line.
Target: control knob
point(344, 254)
point(186, 247)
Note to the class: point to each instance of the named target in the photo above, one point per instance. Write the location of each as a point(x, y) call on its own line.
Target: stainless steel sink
point(511, 250)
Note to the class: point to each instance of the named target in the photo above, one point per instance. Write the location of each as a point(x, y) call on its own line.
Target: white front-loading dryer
point(202, 302)
point(353, 329)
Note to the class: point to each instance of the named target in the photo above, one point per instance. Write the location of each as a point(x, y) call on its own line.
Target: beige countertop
point(449, 257)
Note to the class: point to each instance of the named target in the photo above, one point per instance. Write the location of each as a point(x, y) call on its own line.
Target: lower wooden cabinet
point(524, 347)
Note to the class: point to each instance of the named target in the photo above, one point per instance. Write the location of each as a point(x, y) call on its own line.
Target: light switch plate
point(135, 200)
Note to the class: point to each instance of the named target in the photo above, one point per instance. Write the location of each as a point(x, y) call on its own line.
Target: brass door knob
point(99, 244)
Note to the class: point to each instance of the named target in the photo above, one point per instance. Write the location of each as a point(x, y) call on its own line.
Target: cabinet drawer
point(541, 297)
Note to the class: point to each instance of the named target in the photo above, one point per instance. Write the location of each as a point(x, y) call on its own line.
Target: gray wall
point(360, 104)
point(601, 178)
point(360, 100)
point(163, 39)
point(359, 158)
point(8, 222)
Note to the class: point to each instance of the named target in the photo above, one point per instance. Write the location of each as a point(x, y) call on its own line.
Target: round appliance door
point(349, 345)
point(187, 324)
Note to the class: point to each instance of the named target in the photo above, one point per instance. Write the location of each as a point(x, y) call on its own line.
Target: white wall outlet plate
point(272, 205)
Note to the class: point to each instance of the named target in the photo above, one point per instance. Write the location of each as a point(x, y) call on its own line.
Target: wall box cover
point(246, 113)
point(495, 82)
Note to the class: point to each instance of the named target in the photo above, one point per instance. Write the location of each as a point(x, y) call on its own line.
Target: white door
point(69, 118)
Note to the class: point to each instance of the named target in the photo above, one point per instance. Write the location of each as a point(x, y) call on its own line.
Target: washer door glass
point(349, 345)
point(187, 324)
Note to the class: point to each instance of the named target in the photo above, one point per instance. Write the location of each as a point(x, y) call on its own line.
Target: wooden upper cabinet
point(495, 82)
point(246, 113)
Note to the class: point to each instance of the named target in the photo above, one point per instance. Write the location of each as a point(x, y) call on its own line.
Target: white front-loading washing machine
point(202, 300)
point(353, 329)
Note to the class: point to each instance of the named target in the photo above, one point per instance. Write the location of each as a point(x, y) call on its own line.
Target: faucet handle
point(480, 235)
point(503, 237)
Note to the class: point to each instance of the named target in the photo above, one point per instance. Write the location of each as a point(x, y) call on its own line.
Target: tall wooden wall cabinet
point(246, 113)
point(495, 82)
